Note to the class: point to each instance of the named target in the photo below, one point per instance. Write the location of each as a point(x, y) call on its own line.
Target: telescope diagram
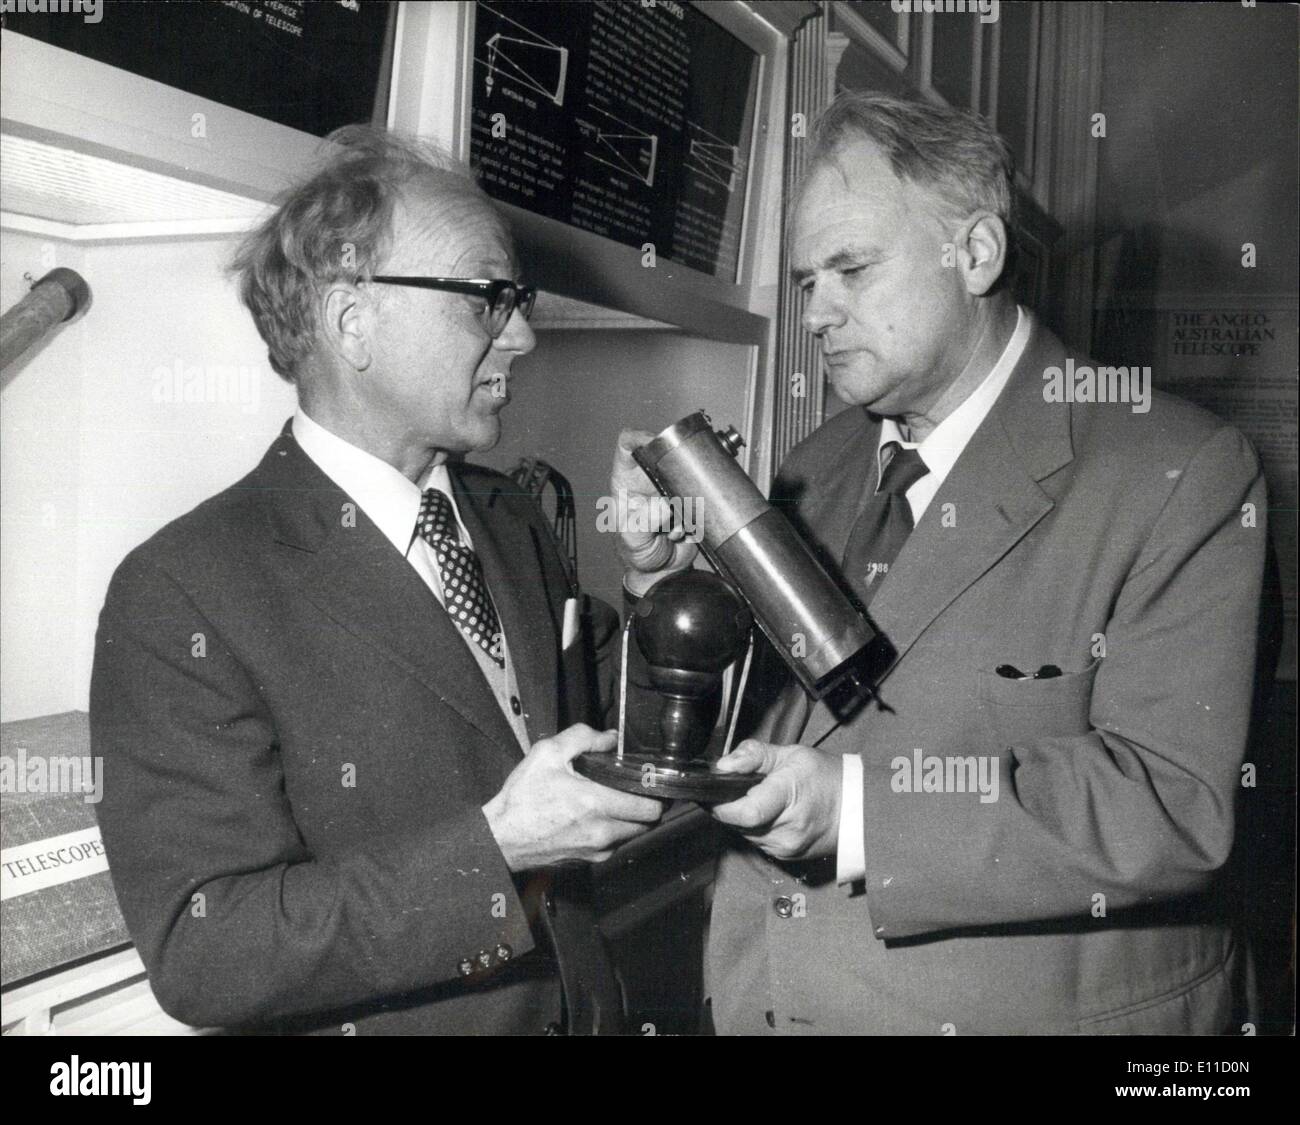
point(524, 57)
point(624, 147)
point(710, 157)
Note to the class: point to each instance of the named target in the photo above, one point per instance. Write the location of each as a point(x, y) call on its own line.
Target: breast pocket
point(1017, 710)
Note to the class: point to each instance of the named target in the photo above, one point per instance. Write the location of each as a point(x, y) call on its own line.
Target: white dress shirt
point(939, 451)
point(390, 499)
point(392, 502)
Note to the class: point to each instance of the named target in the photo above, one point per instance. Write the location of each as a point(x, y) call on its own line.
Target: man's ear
point(346, 319)
point(981, 252)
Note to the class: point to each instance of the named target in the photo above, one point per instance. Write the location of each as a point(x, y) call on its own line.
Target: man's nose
point(821, 310)
point(517, 336)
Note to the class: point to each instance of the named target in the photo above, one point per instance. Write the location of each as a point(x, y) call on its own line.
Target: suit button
point(484, 959)
point(553, 1029)
point(504, 952)
point(783, 906)
point(770, 1016)
point(465, 967)
point(550, 904)
point(515, 705)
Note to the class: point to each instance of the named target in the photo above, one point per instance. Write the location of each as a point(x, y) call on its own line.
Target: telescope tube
point(54, 298)
point(807, 617)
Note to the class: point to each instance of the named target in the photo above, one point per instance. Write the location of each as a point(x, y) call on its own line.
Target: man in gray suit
point(1021, 833)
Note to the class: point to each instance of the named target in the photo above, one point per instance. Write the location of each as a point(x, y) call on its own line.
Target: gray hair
point(334, 226)
point(953, 153)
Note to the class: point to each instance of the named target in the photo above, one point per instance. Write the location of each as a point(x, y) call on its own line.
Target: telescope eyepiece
point(731, 440)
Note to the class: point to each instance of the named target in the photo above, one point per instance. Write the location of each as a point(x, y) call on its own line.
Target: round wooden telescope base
point(652, 777)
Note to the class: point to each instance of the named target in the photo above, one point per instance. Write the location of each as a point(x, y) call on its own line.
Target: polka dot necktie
point(464, 591)
point(884, 525)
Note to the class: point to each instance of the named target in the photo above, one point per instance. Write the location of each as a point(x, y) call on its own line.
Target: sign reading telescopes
point(633, 121)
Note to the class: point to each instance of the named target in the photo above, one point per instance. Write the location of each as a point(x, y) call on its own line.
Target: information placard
point(1240, 362)
point(633, 121)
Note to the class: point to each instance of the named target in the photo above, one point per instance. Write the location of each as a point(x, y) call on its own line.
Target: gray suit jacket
point(1080, 900)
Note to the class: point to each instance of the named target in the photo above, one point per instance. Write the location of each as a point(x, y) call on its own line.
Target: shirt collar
point(946, 441)
point(389, 499)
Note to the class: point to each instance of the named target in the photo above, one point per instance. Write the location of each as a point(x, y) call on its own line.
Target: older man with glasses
point(336, 703)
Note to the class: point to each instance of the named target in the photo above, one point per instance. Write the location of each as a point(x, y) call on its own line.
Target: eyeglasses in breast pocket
point(1055, 707)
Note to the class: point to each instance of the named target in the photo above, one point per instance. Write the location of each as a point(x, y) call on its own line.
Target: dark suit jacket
point(297, 745)
point(1078, 901)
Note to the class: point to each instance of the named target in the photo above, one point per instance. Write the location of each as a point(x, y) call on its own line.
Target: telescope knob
point(731, 440)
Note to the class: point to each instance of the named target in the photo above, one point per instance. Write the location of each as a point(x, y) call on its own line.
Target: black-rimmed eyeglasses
point(502, 297)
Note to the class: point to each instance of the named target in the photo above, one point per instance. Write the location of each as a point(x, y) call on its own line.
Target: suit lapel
point(825, 512)
point(988, 503)
point(354, 576)
point(508, 550)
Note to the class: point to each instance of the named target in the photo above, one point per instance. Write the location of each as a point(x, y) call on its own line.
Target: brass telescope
point(806, 616)
point(690, 626)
